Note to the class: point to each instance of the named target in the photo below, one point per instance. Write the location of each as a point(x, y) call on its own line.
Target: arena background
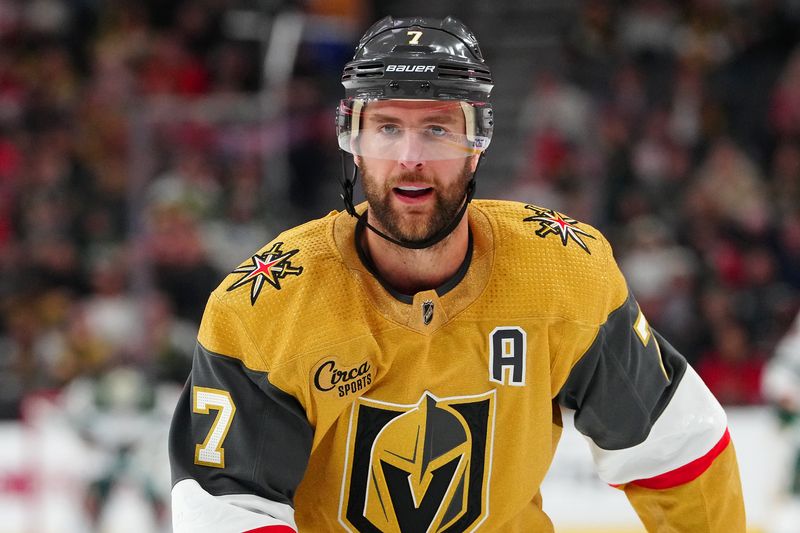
point(147, 147)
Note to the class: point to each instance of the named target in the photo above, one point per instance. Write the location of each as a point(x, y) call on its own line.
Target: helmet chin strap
point(349, 184)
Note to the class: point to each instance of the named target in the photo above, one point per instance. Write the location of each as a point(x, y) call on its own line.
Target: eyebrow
point(438, 119)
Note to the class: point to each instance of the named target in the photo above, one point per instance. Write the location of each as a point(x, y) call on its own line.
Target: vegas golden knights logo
point(418, 468)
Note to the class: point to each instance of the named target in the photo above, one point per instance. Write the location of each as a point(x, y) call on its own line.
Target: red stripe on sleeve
point(687, 472)
point(271, 529)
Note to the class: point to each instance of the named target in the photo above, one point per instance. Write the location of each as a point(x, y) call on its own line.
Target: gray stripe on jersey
point(618, 389)
point(269, 440)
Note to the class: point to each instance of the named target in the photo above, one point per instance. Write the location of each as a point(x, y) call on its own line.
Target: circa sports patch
point(554, 223)
point(331, 375)
point(270, 267)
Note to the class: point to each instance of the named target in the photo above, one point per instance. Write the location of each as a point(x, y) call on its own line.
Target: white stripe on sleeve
point(691, 424)
point(194, 510)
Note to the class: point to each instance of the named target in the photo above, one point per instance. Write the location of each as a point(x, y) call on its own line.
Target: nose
point(410, 151)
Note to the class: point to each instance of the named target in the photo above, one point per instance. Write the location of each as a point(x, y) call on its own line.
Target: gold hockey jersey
point(321, 400)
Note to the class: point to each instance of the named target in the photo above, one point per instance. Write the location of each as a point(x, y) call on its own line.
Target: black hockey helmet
point(417, 58)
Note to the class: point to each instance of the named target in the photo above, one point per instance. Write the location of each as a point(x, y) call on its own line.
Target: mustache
point(410, 177)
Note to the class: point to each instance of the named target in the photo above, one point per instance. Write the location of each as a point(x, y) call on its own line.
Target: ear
point(354, 148)
point(473, 163)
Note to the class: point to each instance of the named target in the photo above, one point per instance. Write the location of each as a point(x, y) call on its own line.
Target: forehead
point(410, 110)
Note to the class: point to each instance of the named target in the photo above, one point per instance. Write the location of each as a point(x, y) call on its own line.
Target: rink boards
point(44, 468)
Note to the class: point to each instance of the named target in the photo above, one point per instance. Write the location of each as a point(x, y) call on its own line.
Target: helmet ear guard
point(480, 124)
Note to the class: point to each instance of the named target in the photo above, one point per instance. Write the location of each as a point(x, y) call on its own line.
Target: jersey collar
point(452, 297)
point(441, 290)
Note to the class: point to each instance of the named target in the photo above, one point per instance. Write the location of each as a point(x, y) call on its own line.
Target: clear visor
point(421, 130)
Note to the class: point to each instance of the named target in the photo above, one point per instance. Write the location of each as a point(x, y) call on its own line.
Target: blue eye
point(389, 129)
point(437, 131)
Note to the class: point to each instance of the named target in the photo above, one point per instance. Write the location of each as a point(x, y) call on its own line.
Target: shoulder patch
point(271, 267)
point(554, 223)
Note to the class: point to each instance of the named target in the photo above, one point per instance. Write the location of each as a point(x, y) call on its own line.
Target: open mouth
point(410, 191)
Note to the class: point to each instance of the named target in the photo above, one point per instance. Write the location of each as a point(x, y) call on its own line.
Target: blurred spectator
point(49, 211)
point(652, 154)
point(231, 69)
point(785, 178)
point(788, 254)
point(245, 221)
point(648, 27)
point(660, 273)
point(687, 107)
point(191, 183)
point(170, 68)
point(168, 339)
point(197, 24)
point(112, 314)
point(181, 268)
point(704, 36)
point(628, 95)
point(33, 346)
point(557, 121)
point(553, 104)
point(729, 188)
point(732, 370)
point(590, 44)
point(785, 111)
point(309, 149)
point(765, 303)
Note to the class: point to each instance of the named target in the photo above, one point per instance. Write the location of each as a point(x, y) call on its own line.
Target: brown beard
point(417, 229)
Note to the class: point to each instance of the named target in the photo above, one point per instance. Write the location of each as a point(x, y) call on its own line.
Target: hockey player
point(399, 366)
point(781, 385)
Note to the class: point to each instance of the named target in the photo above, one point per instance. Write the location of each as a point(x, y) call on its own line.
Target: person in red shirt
point(732, 368)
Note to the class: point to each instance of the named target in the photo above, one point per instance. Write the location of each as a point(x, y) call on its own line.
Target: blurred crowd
point(672, 126)
point(675, 127)
point(122, 205)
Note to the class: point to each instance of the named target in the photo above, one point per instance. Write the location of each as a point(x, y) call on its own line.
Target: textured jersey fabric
point(321, 401)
